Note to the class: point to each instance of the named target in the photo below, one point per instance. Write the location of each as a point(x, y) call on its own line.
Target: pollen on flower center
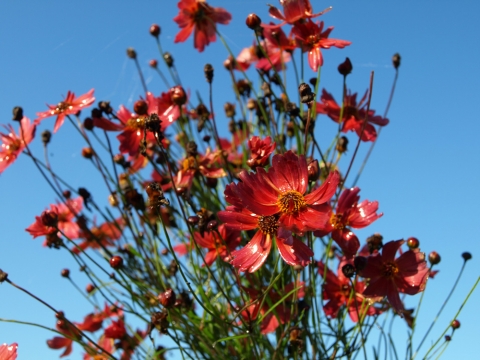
point(312, 40)
point(390, 269)
point(291, 202)
point(337, 222)
point(136, 123)
point(62, 106)
point(267, 224)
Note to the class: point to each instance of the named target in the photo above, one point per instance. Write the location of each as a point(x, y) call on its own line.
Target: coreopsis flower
point(8, 352)
point(59, 342)
point(198, 16)
point(116, 330)
point(281, 192)
point(282, 312)
point(354, 115)
point(311, 38)
point(69, 106)
point(100, 236)
point(12, 144)
point(293, 11)
point(260, 151)
point(350, 213)
point(219, 242)
point(388, 276)
point(253, 255)
point(337, 292)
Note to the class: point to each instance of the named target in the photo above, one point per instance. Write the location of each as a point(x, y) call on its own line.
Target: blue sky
point(424, 171)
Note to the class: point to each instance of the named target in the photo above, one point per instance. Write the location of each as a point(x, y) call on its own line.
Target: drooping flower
point(354, 115)
point(219, 243)
point(388, 276)
point(70, 332)
point(281, 192)
point(69, 106)
point(8, 352)
point(311, 38)
point(198, 16)
point(12, 144)
point(293, 11)
point(350, 213)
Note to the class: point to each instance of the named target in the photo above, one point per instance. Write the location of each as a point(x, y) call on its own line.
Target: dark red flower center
point(312, 40)
point(291, 202)
point(390, 269)
point(268, 224)
point(62, 106)
point(349, 111)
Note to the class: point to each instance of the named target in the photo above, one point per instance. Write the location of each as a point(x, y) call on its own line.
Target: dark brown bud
point(292, 109)
point(67, 194)
point(167, 298)
point(65, 273)
point(155, 30)
point(348, 270)
point(193, 220)
point(207, 138)
point(17, 113)
point(345, 68)
point(87, 152)
point(131, 53)
point(191, 148)
point(313, 170)
point(159, 320)
point(448, 338)
point(96, 113)
point(168, 59)
point(85, 194)
point(229, 110)
point(178, 95)
point(116, 262)
point(243, 87)
point(105, 107)
point(455, 324)
point(88, 124)
point(306, 94)
point(267, 91)
point(119, 159)
point(374, 243)
point(49, 218)
point(313, 81)
point(253, 21)
point(140, 107)
point(360, 262)
point(46, 136)
point(434, 258)
point(466, 256)
point(90, 288)
point(396, 60)
point(342, 144)
point(153, 63)
point(208, 70)
point(229, 64)
point(413, 243)
point(3, 276)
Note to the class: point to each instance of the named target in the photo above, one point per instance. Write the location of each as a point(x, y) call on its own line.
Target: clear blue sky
point(424, 171)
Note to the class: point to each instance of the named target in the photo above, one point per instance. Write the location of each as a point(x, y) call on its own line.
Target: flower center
point(337, 221)
point(349, 111)
point(390, 269)
point(62, 106)
point(291, 202)
point(268, 224)
point(136, 123)
point(312, 40)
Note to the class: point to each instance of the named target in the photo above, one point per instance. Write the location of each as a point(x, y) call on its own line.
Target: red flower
point(8, 352)
point(260, 151)
point(58, 342)
point(281, 191)
point(219, 243)
point(116, 330)
point(70, 105)
point(293, 11)
point(389, 276)
point(199, 16)
point(98, 236)
point(12, 144)
point(311, 38)
point(353, 214)
point(353, 115)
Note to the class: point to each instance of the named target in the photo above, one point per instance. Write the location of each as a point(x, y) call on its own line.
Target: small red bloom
point(116, 330)
point(12, 144)
point(8, 352)
point(260, 151)
point(102, 235)
point(311, 38)
point(199, 16)
point(70, 105)
point(350, 213)
point(389, 276)
point(219, 243)
point(353, 115)
point(293, 11)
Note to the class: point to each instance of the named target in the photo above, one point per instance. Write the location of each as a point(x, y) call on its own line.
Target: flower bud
point(113, 199)
point(413, 243)
point(229, 64)
point(434, 258)
point(455, 324)
point(374, 243)
point(313, 170)
point(116, 262)
point(448, 338)
point(466, 256)
point(87, 152)
point(313, 81)
point(253, 21)
point(212, 225)
point(119, 159)
point(193, 220)
point(348, 270)
point(207, 138)
point(140, 107)
point(88, 124)
point(105, 107)
point(153, 63)
point(167, 298)
point(90, 288)
point(342, 144)
point(46, 136)
point(396, 60)
point(65, 273)
point(155, 30)
point(229, 109)
point(168, 59)
point(178, 96)
point(306, 94)
point(17, 113)
point(131, 53)
point(67, 194)
point(345, 68)
point(208, 70)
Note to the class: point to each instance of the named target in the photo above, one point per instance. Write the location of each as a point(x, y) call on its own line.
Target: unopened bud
point(140, 107)
point(65, 273)
point(46, 136)
point(253, 21)
point(155, 30)
point(88, 124)
point(113, 199)
point(116, 262)
point(178, 95)
point(167, 298)
point(413, 243)
point(153, 63)
point(374, 243)
point(434, 258)
point(229, 64)
point(208, 70)
point(455, 324)
point(348, 270)
point(168, 59)
point(17, 113)
point(229, 109)
point(313, 170)
point(87, 152)
point(346, 67)
point(342, 144)
point(306, 94)
point(131, 53)
point(396, 60)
